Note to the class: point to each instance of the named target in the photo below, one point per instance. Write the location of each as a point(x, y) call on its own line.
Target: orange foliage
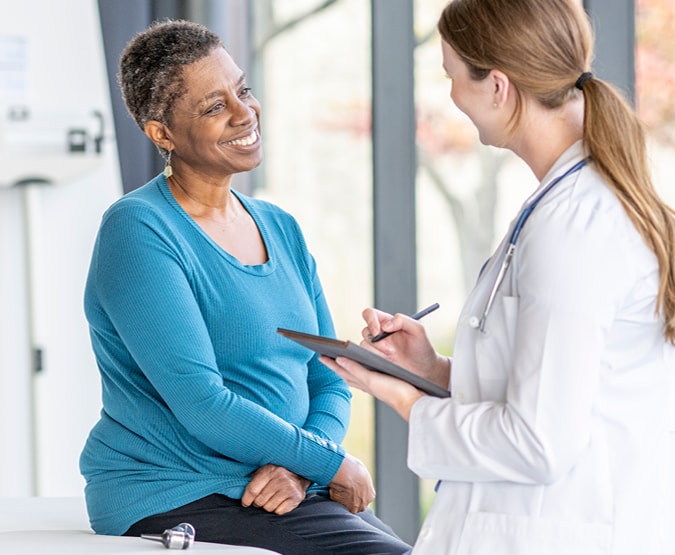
point(655, 67)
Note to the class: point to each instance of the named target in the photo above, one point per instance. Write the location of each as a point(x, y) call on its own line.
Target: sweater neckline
point(256, 269)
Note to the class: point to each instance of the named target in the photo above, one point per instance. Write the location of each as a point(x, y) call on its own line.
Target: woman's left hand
point(275, 489)
point(399, 395)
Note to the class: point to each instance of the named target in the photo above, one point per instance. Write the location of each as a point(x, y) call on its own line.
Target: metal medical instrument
point(524, 215)
point(179, 537)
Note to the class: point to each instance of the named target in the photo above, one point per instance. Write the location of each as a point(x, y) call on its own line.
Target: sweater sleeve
point(143, 286)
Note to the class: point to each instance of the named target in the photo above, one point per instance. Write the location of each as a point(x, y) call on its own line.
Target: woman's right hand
point(275, 489)
point(352, 485)
point(408, 346)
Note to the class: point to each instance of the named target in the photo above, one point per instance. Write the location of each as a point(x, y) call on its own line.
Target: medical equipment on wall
point(43, 138)
point(474, 321)
point(45, 146)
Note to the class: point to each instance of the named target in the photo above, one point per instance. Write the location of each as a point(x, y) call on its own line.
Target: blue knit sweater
point(198, 388)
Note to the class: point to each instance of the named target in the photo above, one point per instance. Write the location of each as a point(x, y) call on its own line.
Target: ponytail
point(615, 139)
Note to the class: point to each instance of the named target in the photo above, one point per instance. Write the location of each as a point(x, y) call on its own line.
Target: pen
point(421, 314)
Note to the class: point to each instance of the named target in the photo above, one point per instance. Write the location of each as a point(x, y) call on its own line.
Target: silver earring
point(168, 171)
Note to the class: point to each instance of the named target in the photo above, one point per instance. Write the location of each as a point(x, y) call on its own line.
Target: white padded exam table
point(59, 526)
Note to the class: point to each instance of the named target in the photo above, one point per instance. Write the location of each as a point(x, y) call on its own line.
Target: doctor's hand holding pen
point(403, 340)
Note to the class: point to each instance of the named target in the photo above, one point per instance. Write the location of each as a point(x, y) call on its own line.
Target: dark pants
point(318, 526)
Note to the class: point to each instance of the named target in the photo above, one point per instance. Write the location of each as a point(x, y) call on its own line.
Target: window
point(312, 76)
point(655, 87)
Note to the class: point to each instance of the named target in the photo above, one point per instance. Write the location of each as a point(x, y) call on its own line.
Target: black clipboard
point(334, 348)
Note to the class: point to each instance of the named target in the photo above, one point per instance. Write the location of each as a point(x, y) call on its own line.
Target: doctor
point(556, 438)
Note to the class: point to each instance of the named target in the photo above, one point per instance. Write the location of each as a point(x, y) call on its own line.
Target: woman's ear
point(500, 87)
point(158, 133)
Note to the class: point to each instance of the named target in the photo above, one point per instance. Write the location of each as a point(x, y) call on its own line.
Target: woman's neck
point(544, 134)
point(203, 199)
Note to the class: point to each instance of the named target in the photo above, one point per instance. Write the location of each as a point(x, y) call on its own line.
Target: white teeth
point(246, 141)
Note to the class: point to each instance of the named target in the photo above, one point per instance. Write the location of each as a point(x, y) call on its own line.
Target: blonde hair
point(544, 46)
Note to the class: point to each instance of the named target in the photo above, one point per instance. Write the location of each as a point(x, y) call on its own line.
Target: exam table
point(59, 526)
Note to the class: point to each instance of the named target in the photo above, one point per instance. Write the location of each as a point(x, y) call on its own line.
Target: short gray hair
point(151, 76)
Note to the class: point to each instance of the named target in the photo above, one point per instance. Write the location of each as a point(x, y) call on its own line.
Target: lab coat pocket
point(490, 533)
point(495, 349)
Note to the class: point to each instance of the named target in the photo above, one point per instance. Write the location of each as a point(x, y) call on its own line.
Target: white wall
point(52, 64)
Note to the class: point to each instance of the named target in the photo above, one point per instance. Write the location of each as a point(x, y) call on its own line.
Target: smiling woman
point(209, 417)
point(217, 112)
point(213, 135)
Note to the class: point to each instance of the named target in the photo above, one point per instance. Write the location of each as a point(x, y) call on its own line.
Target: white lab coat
point(556, 438)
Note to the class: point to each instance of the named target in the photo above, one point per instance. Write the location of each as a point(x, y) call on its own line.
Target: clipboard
point(334, 348)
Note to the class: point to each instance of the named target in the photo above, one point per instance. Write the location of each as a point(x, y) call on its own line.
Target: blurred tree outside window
point(655, 87)
point(311, 72)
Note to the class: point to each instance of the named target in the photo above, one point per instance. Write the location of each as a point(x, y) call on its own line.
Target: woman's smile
point(248, 140)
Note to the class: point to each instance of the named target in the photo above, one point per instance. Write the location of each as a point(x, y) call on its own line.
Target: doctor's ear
point(501, 85)
point(159, 134)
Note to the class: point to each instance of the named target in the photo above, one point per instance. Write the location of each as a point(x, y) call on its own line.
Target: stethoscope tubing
point(513, 239)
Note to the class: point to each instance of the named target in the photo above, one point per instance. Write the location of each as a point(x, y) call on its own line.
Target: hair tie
point(582, 79)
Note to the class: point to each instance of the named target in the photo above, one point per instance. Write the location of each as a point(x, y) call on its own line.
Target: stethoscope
point(520, 222)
